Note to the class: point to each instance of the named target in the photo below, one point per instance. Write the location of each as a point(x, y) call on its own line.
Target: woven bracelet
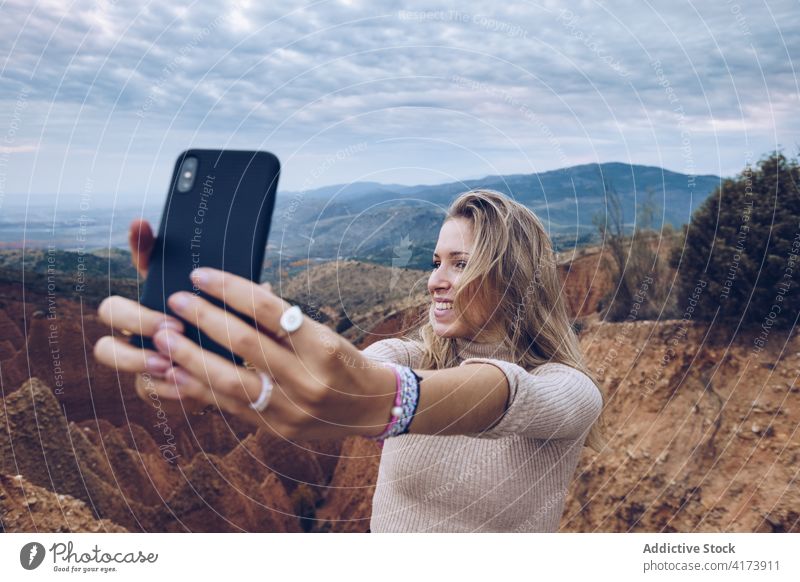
point(406, 402)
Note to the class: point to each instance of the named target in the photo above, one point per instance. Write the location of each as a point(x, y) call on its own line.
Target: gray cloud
point(116, 90)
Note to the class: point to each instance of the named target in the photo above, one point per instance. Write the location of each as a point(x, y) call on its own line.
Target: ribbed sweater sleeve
point(554, 401)
point(389, 350)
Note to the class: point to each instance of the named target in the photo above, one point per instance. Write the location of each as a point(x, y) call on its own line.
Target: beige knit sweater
point(510, 478)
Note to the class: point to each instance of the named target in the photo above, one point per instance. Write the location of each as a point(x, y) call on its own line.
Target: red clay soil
point(35, 509)
point(703, 438)
point(586, 281)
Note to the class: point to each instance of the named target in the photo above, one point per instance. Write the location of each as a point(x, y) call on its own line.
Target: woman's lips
point(442, 313)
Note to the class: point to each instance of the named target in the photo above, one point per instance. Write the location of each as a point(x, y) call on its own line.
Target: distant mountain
point(376, 221)
point(347, 190)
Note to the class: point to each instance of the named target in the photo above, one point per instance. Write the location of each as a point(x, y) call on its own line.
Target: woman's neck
point(474, 348)
point(488, 336)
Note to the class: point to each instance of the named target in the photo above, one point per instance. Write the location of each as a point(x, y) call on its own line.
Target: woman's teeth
point(443, 305)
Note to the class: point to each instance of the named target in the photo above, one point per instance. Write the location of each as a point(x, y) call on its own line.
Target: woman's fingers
point(266, 308)
point(214, 380)
point(184, 385)
point(141, 240)
point(211, 369)
point(179, 388)
point(127, 315)
point(119, 354)
point(233, 333)
point(166, 394)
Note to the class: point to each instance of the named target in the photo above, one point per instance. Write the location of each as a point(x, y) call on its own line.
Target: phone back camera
point(186, 175)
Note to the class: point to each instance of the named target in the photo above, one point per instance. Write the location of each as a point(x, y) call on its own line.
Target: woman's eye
point(459, 264)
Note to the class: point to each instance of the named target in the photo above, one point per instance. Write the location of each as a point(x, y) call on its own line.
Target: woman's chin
point(446, 329)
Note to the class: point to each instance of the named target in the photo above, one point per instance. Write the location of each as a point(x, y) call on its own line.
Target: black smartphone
point(218, 214)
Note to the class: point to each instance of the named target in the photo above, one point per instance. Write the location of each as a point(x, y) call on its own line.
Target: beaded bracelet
point(405, 402)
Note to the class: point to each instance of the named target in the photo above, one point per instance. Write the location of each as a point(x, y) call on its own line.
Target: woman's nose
point(438, 280)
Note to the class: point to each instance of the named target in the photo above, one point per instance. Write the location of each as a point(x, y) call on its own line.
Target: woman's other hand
point(141, 240)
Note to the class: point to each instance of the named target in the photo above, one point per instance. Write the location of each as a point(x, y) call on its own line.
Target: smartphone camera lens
point(187, 174)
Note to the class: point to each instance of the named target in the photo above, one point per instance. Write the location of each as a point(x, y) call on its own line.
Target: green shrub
point(743, 245)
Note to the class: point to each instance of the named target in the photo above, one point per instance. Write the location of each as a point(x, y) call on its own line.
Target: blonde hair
point(512, 259)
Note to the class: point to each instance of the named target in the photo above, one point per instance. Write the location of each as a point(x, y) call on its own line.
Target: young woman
point(483, 412)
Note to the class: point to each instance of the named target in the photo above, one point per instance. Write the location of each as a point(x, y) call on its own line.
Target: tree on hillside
point(740, 252)
point(642, 277)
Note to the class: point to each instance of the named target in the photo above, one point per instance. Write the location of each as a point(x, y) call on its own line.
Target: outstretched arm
point(462, 400)
point(492, 398)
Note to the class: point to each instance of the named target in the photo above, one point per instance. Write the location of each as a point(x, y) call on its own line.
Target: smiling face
point(449, 260)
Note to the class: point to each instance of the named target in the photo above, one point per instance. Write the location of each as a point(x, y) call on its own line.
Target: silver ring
point(292, 319)
point(266, 392)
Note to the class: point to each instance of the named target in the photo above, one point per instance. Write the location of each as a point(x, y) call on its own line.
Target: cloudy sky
point(100, 97)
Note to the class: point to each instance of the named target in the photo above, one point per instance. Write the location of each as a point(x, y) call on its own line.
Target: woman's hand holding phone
point(217, 213)
point(324, 387)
